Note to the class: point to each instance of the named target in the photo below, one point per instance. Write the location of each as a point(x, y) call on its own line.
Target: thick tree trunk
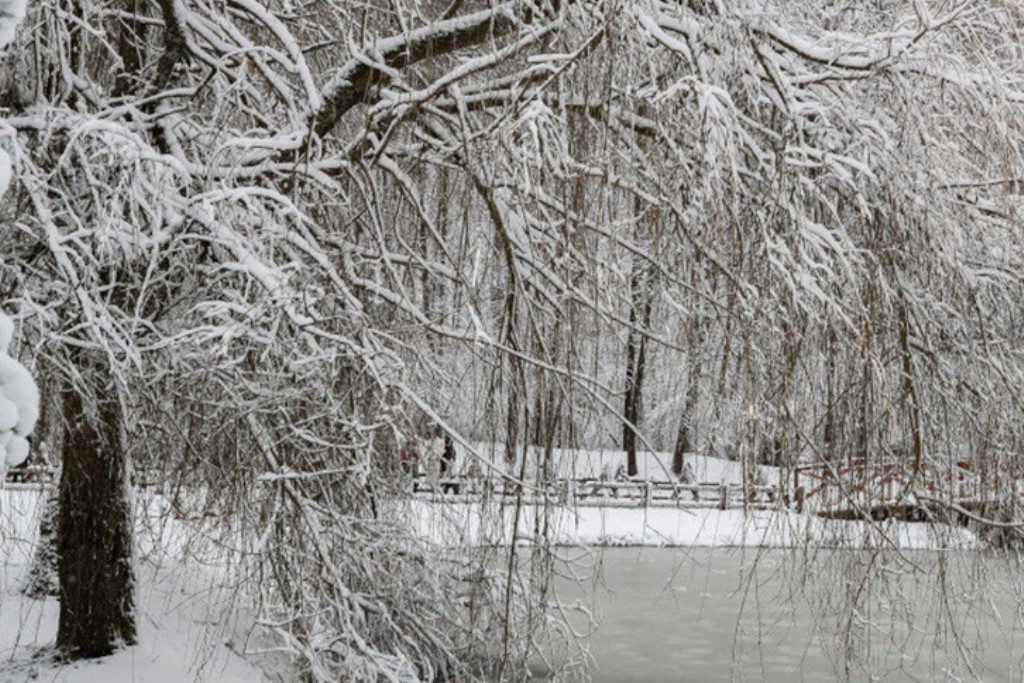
point(97, 603)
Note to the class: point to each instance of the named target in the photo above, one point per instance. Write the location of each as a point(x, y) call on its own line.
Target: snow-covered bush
point(19, 400)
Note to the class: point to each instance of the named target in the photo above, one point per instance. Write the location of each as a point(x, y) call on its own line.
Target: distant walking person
point(688, 478)
point(409, 460)
point(448, 465)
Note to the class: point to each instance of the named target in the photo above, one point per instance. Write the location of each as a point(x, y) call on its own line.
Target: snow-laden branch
point(351, 84)
point(298, 61)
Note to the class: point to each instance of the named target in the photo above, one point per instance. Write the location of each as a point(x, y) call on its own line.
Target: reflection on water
point(789, 615)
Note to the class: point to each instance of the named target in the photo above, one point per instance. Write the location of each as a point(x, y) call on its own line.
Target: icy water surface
point(792, 615)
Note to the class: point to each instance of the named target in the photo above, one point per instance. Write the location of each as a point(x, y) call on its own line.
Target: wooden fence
point(856, 488)
point(575, 492)
point(598, 493)
point(29, 477)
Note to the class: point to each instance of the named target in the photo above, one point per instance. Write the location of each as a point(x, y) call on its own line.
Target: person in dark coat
point(448, 466)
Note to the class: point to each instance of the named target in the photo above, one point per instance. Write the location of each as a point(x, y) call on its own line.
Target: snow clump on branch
point(19, 401)
point(11, 14)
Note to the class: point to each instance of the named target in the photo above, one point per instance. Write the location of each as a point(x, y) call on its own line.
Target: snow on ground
point(453, 524)
point(189, 628)
point(177, 639)
point(459, 523)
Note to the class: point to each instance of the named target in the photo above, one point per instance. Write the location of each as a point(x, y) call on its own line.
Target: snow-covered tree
point(287, 235)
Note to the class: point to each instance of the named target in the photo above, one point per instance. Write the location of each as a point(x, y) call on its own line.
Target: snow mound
point(19, 400)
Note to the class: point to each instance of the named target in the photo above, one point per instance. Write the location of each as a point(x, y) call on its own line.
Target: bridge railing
point(579, 492)
point(853, 486)
point(40, 475)
point(34, 476)
point(603, 493)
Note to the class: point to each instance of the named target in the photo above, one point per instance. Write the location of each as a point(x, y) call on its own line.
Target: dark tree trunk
point(516, 378)
point(636, 358)
point(131, 42)
point(97, 601)
point(686, 437)
point(513, 415)
point(829, 436)
point(685, 442)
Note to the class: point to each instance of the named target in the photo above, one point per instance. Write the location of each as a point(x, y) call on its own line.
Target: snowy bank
point(455, 522)
point(183, 636)
point(450, 523)
point(189, 626)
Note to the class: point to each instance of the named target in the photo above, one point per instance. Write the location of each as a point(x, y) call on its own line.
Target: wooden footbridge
point(859, 490)
point(576, 492)
point(852, 490)
point(601, 493)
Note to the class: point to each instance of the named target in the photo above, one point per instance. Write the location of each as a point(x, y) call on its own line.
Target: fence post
point(647, 494)
point(723, 497)
point(799, 495)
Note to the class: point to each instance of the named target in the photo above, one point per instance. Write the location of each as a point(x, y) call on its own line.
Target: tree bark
point(131, 42)
point(636, 357)
point(685, 442)
point(97, 601)
point(358, 77)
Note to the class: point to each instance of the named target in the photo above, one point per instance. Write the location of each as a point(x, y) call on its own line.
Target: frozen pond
point(795, 615)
